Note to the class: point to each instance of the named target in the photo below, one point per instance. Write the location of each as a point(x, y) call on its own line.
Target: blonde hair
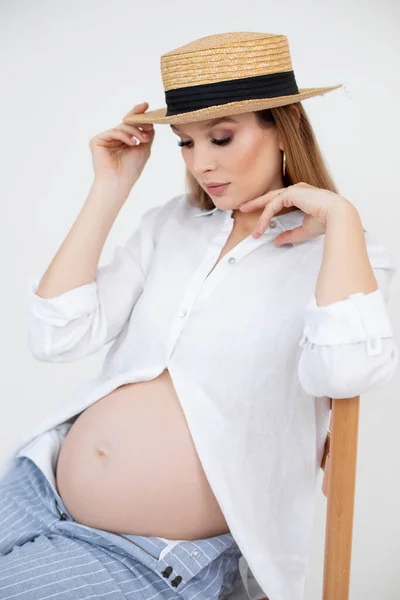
point(304, 161)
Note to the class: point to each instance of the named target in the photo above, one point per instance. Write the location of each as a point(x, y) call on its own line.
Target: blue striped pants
point(45, 554)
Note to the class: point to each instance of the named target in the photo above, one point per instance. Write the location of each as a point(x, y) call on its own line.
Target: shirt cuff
point(59, 310)
point(358, 318)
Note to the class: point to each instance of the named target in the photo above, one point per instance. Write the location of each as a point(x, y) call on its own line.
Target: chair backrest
point(339, 465)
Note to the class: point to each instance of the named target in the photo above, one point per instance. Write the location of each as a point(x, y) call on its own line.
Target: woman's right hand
point(117, 157)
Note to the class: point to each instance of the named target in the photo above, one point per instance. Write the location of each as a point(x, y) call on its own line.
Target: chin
point(226, 202)
point(226, 205)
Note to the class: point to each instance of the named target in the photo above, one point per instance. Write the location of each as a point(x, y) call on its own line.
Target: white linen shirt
point(253, 358)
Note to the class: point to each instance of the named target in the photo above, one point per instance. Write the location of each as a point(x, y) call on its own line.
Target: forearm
point(345, 267)
point(76, 261)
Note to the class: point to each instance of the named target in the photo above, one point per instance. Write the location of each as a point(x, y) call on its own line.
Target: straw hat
point(226, 74)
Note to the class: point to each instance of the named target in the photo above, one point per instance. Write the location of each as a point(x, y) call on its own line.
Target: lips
point(214, 189)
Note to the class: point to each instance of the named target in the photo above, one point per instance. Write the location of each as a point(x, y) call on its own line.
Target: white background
point(71, 70)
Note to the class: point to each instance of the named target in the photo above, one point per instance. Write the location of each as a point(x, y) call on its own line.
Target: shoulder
point(379, 255)
point(156, 217)
point(167, 208)
point(177, 212)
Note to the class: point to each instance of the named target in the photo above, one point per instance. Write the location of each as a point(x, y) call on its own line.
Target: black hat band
point(195, 97)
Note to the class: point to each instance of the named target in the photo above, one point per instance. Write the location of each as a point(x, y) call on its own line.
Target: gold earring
point(284, 163)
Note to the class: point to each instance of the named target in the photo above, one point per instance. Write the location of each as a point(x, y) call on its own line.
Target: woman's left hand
point(315, 202)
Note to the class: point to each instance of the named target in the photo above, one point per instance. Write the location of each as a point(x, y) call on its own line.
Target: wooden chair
point(339, 465)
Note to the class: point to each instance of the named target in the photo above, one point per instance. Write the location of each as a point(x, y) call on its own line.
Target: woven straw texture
point(225, 57)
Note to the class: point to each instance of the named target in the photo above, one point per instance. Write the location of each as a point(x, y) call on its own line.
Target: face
point(233, 150)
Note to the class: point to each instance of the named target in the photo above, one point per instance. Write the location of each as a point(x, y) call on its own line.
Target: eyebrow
point(211, 123)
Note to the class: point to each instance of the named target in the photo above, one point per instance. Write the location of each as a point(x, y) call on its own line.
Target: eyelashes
point(214, 141)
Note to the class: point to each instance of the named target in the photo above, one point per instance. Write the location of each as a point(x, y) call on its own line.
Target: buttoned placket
point(207, 277)
point(184, 562)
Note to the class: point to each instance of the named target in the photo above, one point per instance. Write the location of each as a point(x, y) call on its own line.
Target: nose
point(203, 161)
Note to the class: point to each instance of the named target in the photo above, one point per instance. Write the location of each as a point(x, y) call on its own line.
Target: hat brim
point(231, 108)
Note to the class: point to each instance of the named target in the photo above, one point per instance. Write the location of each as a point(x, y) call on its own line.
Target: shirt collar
point(207, 212)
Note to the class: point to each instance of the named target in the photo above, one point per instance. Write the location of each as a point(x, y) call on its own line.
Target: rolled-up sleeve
point(82, 320)
point(348, 346)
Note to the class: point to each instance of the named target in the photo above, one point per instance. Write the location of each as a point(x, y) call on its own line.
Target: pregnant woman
point(187, 468)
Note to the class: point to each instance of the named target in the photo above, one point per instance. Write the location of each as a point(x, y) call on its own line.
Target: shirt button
point(374, 346)
point(272, 224)
point(232, 259)
point(183, 312)
point(303, 341)
point(195, 553)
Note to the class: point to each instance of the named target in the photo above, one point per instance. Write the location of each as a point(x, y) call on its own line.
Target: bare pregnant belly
point(129, 465)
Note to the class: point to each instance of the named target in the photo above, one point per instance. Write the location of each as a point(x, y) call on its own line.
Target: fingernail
point(134, 139)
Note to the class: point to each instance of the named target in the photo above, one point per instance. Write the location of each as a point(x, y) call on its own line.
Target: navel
point(100, 451)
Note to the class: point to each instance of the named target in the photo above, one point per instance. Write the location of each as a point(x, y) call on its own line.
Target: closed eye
point(214, 141)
